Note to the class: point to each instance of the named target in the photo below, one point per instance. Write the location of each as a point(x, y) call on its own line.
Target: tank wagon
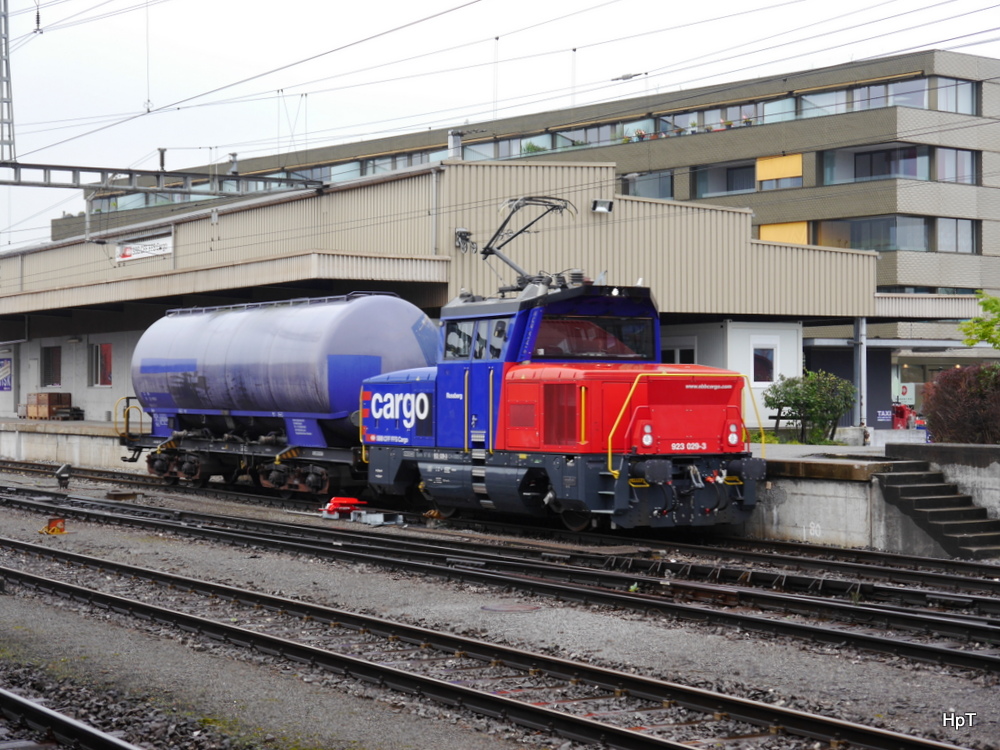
point(547, 400)
point(269, 389)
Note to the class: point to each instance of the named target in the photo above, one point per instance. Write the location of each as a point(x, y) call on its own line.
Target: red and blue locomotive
point(547, 400)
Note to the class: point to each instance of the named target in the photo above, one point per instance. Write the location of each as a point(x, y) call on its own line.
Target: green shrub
point(962, 405)
point(817, 400)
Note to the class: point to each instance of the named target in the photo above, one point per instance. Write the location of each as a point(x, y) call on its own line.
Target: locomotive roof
point(467, 305)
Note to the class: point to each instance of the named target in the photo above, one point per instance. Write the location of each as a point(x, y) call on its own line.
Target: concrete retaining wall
point(24, 441)
point(838, 513)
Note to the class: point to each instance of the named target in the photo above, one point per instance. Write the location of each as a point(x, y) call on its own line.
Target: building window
point(909, 93)
point(346, 171)
point(777, 110)
point(100, 364)
point(740, 179)
point(852, 165)
point(678, 350)
point(478, 151)
point(781, 184)
point(924, 290)
point(725, 179)
point(956, 96)
point(881, 233)
point(51, 366)
point(905, 162)
point(956, 235)
point(637, 129)
point(955, 165)
point(869, 97)
point(765, 359)
point(889, 233)
point(649, 185)
point(823, 103)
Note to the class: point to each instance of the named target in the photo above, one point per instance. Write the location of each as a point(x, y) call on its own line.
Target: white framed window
point(679, 350)
point(100, 364)
point(764, 360)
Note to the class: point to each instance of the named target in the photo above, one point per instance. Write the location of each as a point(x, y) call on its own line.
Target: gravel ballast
point(283, 707)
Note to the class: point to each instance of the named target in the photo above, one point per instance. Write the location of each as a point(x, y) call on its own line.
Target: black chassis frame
point(653, 491)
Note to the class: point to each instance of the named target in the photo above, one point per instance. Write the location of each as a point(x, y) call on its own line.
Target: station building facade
point(838, 218)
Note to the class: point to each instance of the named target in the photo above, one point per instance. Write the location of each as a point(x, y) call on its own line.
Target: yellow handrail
point(125, 419)
point(583, 414)
point(635, 384)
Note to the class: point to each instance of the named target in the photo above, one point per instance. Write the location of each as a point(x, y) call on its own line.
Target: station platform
point(59, 426)
point(90, 443)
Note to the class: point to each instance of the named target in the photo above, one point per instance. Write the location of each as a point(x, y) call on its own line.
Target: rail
point(66, 730)
point(599, 681)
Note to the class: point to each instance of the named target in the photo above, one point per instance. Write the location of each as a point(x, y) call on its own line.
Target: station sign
point(145, 248)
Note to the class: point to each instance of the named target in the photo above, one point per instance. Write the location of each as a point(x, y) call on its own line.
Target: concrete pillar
point(861, 370)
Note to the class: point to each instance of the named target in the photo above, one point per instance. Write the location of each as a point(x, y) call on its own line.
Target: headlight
point(647, 440)
point(733, 438)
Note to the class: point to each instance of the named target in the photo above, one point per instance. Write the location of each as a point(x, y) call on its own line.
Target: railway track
point(569, 699)
point(631, 583)
point(27, 719)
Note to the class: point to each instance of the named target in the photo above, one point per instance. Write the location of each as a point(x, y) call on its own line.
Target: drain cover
point(510, 607)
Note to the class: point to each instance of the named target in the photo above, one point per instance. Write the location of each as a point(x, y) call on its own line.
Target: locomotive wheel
point(575, 520)
point(167, 481)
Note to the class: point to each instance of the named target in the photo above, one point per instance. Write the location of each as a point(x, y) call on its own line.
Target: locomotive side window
point(458, 338)
point(498, 337)
point(570, 337)
point(482, 332)
point(491, 335)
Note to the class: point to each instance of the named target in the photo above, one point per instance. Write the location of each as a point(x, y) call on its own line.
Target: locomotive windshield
point(595, 337)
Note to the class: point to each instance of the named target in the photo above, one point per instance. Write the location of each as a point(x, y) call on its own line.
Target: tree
point(962, 405)
point(816, 399)
point(986, 327)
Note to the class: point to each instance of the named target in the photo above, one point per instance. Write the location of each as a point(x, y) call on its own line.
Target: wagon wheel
point(576, 520)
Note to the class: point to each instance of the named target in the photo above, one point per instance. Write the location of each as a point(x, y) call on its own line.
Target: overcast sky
point(106, 83)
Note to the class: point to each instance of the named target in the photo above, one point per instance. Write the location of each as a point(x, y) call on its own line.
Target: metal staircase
point(951, 518)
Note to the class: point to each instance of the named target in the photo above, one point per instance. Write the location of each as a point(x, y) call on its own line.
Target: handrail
point(465, 402)
point(361, 424)
point(635, 384)
point(489, 407)
point(125, 417)
point(583, 414)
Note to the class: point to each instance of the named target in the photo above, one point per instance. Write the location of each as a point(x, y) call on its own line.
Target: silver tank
point(304, 356)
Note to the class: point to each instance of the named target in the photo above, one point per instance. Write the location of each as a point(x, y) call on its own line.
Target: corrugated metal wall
point(389, 217)
point(697, 258)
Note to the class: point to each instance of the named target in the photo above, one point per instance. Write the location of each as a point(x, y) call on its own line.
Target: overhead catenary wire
point(316, 136)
